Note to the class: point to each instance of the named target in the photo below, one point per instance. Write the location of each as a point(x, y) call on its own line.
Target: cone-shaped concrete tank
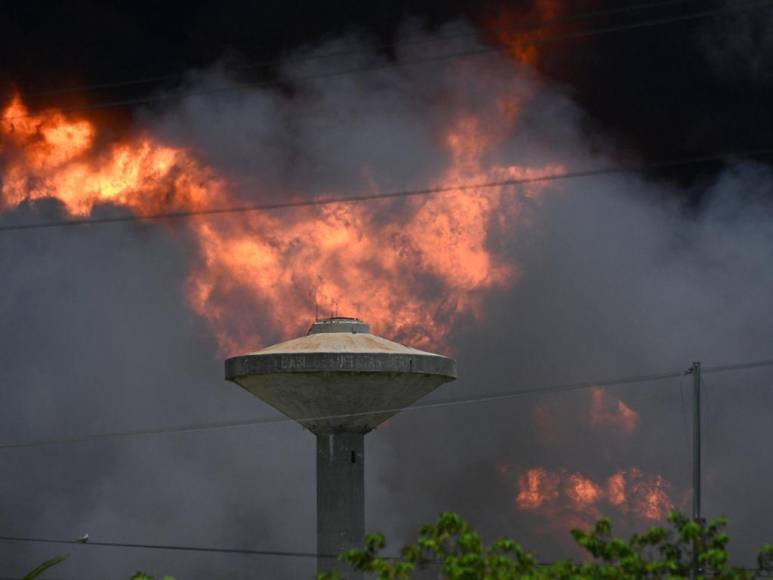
point(340, 381)
point(339, 377)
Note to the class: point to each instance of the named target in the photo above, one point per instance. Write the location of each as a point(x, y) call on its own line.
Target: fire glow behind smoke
point(118, 327)
point(411, 278)
point(353, 264)
point(570, 498)
point(523, 44)
point(259, 275)
point(627, 490)
point(50, 156)
point(616, 414)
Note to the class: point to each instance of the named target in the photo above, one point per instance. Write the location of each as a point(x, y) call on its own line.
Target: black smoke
point(618, 276)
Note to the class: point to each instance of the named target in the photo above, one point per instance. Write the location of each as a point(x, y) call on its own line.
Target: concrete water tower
point(340, 381)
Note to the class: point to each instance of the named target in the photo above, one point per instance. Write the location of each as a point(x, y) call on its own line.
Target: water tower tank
point(340, 381)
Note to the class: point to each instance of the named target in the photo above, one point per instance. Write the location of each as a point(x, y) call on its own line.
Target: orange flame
point(410, 277)
point(50, 156)
point(616, 489)
point(536, 487)
point(603, 411)
point(615, 414)
point(650, 495)
point(627, 490)
point(523, 45)
point(358, 265)
point(581, 491)
point(573, 498)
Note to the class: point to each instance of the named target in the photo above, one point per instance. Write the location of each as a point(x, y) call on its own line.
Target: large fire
point(47, 155)
point(263, 275)
point(411, 277)
point(627, 490)
point(571, 498)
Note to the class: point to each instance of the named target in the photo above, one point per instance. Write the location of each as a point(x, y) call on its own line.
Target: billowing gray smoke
point(616, 279)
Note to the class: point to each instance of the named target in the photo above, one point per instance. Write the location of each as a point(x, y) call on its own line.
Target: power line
point(282, 419)
point(532, 25)
point(494, 397)
point(181, 548)
point(549, 389)
point(314, 555)
point(736, 367)
point(462, 187)
point(429, 60)
point(177, 548)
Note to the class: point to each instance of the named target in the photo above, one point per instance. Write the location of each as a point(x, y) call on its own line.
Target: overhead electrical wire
point(400, 194)
point(544, 390)
point(314, 555)
point(429, 60)
point(706, 370)
point(324, 201)
point(441, 189)
point(177, 548)
point(180, 548)
point(283, 419)
point(528, 26)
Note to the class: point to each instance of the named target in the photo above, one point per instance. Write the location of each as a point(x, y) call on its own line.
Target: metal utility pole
point(695, 370)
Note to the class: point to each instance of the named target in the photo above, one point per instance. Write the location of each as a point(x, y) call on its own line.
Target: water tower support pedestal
point(340, 496)
point(340, 382)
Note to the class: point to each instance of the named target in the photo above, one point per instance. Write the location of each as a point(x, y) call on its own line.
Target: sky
point(121, 327)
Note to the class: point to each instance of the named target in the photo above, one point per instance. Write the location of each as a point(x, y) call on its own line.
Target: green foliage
point(45, 566)
point(765, 558)
point(453, 546)
point(57, 559)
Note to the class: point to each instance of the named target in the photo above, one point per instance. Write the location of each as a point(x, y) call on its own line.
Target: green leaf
point(765, 558)
point(375, 542)
point(45, 566)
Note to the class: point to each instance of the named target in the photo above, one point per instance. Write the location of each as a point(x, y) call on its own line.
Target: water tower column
point(340, 382)
point(340, 497)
